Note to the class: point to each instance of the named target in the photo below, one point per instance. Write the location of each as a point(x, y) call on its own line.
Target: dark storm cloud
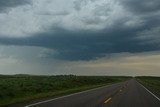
point(142, 6)
point(85, 45)
point(7, 4)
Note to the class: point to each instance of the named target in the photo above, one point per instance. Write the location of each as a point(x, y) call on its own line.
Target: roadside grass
point(152, 83)
point(24, 88)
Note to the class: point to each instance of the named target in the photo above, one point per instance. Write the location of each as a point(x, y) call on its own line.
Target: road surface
point(125, 94)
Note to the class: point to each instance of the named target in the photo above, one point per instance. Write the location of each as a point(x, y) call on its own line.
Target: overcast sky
point(83, 37)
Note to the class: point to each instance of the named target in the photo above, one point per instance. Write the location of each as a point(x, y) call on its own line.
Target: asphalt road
point(125, 94)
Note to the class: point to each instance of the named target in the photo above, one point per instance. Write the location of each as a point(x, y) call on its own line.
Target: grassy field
point(152, 83)
point(22, 88)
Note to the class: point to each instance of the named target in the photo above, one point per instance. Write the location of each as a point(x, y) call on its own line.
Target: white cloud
point(29, 19)
point(43, 15)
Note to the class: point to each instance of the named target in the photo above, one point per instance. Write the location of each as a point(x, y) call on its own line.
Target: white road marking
point(150, 92)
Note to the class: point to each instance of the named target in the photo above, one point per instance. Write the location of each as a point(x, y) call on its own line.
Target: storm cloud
point(6, 5)
point(143, 7)
point(83, 29)
point(85, 45)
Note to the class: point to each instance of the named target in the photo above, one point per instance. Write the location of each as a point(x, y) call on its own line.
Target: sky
point(80, 37)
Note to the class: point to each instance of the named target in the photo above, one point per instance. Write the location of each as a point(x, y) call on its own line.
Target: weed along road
point(125, 94)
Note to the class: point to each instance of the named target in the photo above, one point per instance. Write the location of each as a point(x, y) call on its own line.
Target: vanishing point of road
point(125, 94)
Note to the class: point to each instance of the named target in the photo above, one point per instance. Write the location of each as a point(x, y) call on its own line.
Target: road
point(125, 94)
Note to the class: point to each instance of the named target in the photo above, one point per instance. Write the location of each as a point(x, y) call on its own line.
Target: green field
point(152, 83)
point(22, 88)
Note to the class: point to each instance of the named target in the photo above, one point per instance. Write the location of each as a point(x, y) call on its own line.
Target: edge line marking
point(150, 92)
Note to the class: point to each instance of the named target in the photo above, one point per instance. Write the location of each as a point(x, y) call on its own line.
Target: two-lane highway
point(125, 94)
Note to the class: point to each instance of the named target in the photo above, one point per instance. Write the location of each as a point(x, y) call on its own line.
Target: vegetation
point(20, 88)
point(152, 83)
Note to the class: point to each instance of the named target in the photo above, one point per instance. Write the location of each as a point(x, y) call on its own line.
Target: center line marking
point(120, 90)
point(107, 100)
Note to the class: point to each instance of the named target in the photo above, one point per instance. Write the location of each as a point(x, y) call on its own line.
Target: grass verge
point(151, 83)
